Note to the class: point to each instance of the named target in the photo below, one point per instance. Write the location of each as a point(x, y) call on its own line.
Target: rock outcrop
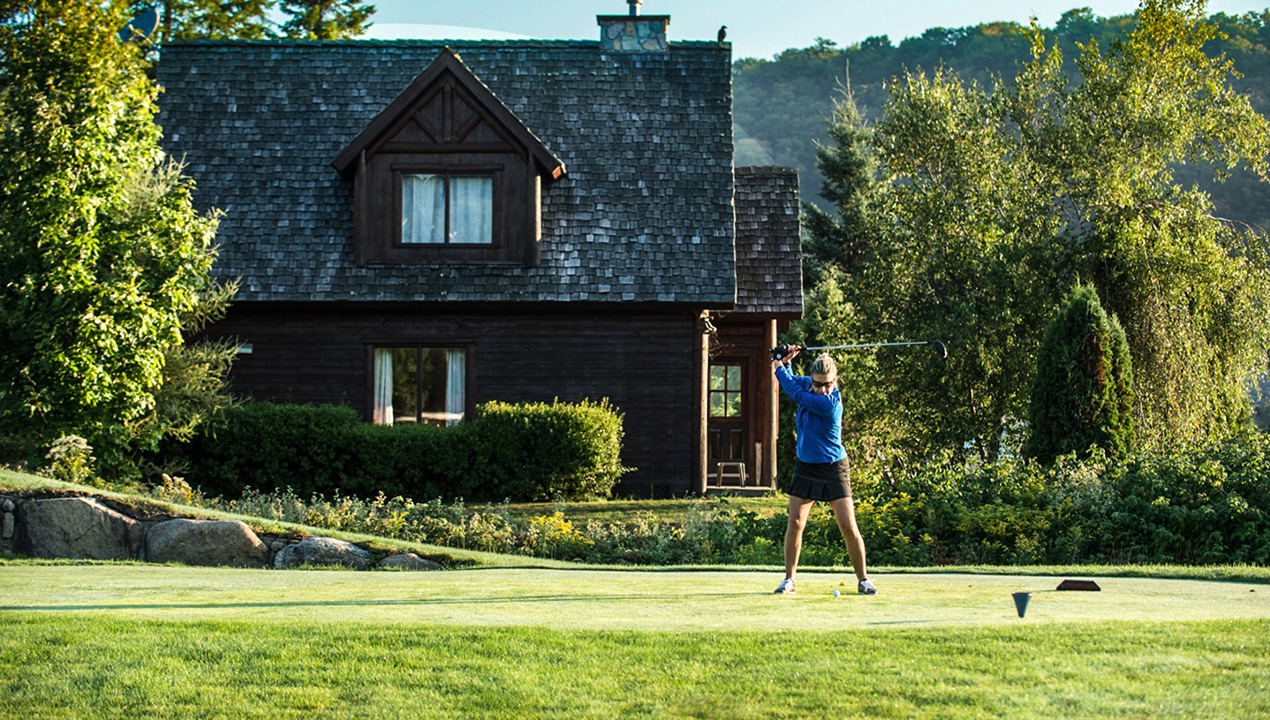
point(92, 528)
point(77, 527)
point(205, 542)
point(322, 551)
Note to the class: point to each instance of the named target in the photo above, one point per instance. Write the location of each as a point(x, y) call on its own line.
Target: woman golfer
point(821, 471)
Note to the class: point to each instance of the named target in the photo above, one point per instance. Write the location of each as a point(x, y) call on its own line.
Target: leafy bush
point(538, 451)
point(525, 452)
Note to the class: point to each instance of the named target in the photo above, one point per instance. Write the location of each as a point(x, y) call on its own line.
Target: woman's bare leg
point(798, 510)
point(844, 513)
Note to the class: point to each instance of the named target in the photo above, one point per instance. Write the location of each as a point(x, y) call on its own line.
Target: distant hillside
point(781, 105)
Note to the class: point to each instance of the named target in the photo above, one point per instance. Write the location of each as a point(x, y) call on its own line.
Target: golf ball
point(835, 593)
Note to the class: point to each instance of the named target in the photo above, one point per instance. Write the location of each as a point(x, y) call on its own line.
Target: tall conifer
point(1083, 393)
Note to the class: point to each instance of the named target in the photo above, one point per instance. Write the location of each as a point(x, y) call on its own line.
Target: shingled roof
point(769, 274)
point(645, 213)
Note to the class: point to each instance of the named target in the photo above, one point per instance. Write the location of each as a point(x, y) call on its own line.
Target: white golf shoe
point(786, 587)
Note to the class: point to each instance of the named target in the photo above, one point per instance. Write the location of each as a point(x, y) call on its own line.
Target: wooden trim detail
point(471, 91)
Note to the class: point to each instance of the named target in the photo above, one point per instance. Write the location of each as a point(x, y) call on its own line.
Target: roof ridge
point(362, 42)
point(764, 170)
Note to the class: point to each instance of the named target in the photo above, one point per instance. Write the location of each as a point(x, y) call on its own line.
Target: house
point(419, 227)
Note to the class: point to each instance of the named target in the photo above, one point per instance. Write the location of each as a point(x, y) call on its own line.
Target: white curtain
point(423, 209)
point(455, 373)
point(383, 387)
point(472, 209)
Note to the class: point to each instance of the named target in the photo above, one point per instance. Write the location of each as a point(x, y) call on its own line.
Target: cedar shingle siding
point(769, 272)
point(644, 213)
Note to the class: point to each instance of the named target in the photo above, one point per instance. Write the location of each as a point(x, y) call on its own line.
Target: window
point(444, 208)
point(420, 385)
point(725, 391)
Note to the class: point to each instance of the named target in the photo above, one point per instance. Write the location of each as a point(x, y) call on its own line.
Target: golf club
point(941, 350)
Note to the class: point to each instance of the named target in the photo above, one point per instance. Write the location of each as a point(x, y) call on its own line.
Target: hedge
point(521, 452)
point(1198, 505)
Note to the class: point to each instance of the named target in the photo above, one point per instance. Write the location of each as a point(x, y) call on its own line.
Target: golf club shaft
point(869, 345)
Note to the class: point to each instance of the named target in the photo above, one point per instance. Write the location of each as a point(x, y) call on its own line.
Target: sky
point(756, 28)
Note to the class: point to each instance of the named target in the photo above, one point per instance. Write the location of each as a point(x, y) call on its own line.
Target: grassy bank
point(27, 484)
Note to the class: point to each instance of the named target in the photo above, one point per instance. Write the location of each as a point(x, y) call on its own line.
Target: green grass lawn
point(103, 641)
point(523, 638)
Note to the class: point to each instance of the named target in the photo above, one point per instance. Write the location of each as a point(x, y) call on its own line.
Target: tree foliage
point(781, 104)
point(212, 19)
point(104, 255)
point(1083, 392)
point(995, 198)
point(326, 19)
point(850, 167)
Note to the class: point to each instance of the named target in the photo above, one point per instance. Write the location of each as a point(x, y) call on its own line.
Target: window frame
point(726, 391)
point(495, 172)
point(469, 374)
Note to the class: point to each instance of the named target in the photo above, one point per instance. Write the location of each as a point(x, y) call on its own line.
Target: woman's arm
point(819, 404)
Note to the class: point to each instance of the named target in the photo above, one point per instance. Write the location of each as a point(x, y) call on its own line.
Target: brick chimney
point(633, 33)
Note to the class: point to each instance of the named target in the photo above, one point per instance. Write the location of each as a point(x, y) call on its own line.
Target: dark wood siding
point(641, 361)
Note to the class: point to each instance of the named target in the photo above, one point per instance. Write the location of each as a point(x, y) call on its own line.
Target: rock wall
point(79, 527)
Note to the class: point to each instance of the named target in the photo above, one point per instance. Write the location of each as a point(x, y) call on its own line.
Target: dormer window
point(441, 207)
point(446, 173)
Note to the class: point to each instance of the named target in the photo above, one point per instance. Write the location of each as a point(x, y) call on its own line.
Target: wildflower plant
point(71, 460)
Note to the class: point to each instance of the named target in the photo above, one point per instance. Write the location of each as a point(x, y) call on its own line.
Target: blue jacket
point(819, 419)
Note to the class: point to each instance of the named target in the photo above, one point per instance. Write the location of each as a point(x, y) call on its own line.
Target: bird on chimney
point(723, 33)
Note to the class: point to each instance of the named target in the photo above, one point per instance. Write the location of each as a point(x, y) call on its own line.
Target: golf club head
point(940, 349)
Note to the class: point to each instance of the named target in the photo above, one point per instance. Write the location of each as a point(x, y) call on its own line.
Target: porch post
point(700, 372)
point(772, 397)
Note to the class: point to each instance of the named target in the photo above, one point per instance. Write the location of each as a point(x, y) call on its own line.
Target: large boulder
point(322, 551)
point(77, 528)
point(205, 542)
point(408, 561)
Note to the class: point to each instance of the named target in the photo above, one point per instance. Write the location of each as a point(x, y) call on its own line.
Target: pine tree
point(850, 168)
point(326, 19)
point(213, 19)
point(1083, 393)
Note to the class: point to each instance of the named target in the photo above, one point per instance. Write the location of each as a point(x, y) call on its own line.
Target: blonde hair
point(824, 365)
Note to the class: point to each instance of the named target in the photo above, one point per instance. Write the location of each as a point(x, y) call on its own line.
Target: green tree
point(326, 19)
point(212, 19)
point(994, 202)
point(1083, 392)
point(104, 255)
point(850, 168)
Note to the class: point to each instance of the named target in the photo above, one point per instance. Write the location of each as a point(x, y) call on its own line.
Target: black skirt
point(824, 482)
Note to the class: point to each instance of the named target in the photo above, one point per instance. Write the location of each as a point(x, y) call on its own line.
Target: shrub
point(532, 451)
point(538, 451)
point(1083, 391)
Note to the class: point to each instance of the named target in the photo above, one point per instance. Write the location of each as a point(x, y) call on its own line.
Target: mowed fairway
point(145, 641)
point(609, 600)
